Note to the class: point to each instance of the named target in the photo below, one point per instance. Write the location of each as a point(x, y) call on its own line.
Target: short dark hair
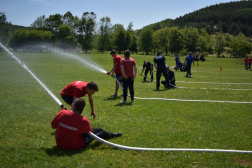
point(79, 104)
point(159, 53)
point(93, 86)
point(112, 52)
point(190, 53)
point(127, 53)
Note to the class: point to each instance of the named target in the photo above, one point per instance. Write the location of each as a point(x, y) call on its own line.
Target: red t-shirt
point(117, 59)
point(246, 60)
point(69, 129)
point(128, 64)
point(75, 89)
point(249, 60)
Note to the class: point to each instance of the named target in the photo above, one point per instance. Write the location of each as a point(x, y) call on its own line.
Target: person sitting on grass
point(178, 66)
point(171, 78)
point(72, 129)
point(79, 89)
point(183, 68)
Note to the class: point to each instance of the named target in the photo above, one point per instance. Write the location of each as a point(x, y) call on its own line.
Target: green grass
point(26, 111)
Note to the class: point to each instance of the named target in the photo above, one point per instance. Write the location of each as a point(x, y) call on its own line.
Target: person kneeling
point(72, 129)
point(171, 77)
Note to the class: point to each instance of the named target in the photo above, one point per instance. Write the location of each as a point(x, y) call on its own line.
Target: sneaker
point(186, 75)
point(132, 101)
point(123, 101)
point(118, 134)
point(113, 95)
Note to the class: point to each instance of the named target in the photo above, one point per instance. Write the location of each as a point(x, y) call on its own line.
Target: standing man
point(129, 75)
point(246, 62)
point(171, 77)
point(148, 66)
point(116, 69)
point(160, 65)
point(189, 60)
point(72, 129)
point(79, 89)
point(249, 63)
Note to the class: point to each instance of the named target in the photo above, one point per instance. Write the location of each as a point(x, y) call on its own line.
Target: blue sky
point(141, 13)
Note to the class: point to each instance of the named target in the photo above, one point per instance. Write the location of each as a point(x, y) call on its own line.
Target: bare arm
point(92, 106)
point(135, 69)
point(155, 65)
point(172, 79)
point(123, 73)
point(142, 71)
point(113, 69)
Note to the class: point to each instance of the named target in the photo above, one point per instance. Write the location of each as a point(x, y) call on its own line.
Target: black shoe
point(118, 134)
point(157, 88)
point(167, 86)
point(186, 75)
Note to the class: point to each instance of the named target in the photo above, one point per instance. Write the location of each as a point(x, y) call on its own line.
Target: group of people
point(186, 66)
point(72, 128)
point(248, 61)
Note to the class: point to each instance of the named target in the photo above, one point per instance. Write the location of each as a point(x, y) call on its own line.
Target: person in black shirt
point(160, 65)
point(171, 77)
point(148, 66)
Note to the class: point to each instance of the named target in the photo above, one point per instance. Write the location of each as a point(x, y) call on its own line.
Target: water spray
point(23, 65)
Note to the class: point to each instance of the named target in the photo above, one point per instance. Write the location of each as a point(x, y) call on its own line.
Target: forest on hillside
point(231, 17)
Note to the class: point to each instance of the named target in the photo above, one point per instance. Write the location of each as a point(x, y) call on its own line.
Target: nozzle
point(62, 106)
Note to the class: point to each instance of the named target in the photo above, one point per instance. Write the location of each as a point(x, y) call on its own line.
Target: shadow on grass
point(124, 104)
point(112, 98)
point(188, 77)
point(56, 151)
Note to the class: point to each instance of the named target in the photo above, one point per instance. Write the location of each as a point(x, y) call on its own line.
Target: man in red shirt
point(116, 69)
point(246, 62)
point(79, 89)
point(129, 75)
point(72, 129)
point(249, 63)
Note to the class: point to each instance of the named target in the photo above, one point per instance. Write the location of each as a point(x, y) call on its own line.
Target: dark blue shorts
point(119, 77)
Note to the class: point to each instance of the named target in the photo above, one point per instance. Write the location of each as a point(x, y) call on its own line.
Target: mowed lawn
point(26, 111)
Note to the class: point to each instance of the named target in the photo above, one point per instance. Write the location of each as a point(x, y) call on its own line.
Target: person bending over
point(79, 89)
point(148, 66)
point(171, 77)
point(72, 129)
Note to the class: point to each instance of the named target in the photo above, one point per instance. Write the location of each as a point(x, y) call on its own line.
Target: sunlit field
point(26, 111)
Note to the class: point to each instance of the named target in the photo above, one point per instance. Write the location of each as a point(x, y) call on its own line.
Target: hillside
point(232, 18)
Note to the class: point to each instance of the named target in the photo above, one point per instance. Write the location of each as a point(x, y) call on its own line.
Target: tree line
point(68, 32)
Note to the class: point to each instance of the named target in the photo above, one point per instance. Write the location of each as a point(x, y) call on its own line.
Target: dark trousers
point(99, 132)
point(172, 83)
point(129, 83)
point(158, 75)
point(67, 99)
point(146, 72)
point(188, 69)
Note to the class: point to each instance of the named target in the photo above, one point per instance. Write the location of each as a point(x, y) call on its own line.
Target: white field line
point(184, 100)
point(212, 88)
point(218, 83)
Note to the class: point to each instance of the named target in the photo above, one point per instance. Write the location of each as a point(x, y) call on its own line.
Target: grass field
point(26, 111)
